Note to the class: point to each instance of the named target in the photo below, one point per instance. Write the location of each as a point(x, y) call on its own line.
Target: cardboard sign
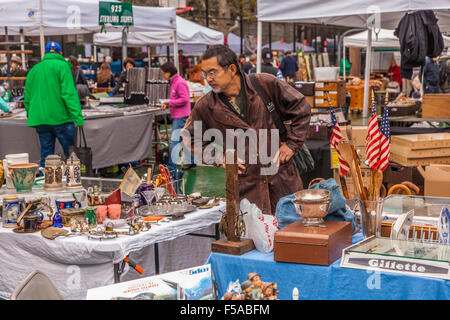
point(187, 284)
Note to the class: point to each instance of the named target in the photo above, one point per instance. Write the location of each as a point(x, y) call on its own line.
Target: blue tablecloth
point(325, 282)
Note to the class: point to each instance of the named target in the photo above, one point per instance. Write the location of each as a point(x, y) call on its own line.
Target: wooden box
point(396, 174)
point(421, 149)
point(436, 106)
point(312, 245)
point(336, 85)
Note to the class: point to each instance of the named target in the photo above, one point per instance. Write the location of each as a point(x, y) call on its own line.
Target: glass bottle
point(57, 217)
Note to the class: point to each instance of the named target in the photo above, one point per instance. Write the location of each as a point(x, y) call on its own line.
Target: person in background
point(289, 67)
point(195, 73)
point(267, 66)
point(128, 63)
point(394, 73)
point(79, 79)
point(184, 63)
point(248, 65)
point(51, 102)
point(105, 78)
point(16, 70)
point(276, 61)
point(431, 76)
point(4, 106)
point(180, 109)
point(242, 61)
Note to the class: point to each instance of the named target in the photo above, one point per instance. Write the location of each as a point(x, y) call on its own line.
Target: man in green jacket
point(51, 102)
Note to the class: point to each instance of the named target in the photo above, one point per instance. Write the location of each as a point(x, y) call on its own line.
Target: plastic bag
point(260, 227)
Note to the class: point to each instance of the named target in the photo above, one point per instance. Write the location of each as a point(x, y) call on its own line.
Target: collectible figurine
point(268, 291)
point(257, 293)
point(247, 289)
point(230, 296)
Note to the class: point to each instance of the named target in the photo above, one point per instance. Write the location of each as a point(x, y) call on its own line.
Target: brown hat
point(16, 59)
point(251, 275)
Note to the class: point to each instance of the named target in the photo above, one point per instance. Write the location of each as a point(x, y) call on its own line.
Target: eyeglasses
point(212, 73)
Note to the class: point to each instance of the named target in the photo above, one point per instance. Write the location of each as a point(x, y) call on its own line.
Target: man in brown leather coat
point(234, 104)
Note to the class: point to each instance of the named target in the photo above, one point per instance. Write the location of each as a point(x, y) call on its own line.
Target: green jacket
point(50, 94)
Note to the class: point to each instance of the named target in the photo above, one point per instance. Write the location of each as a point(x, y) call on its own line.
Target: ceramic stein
point(12, 208)
point(54, 167)
point(23, 176)
point(13, 159)
point(73, 172)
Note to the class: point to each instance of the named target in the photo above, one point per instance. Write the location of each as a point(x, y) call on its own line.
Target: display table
point(75, 264)
point(325, 282)
point(114, 139)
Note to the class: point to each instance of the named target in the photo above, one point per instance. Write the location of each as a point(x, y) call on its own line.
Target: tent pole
point(259, 48)
point(270, 36)
point(367, 75)
point(175, 52)
point(124, 45)
point(22, 47)
point(41, 29)
point(343, 63)
point(149, 57)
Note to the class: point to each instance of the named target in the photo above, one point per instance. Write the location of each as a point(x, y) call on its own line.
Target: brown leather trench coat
point(263, 190)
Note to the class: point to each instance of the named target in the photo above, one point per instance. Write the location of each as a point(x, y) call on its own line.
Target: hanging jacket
point(419, 37)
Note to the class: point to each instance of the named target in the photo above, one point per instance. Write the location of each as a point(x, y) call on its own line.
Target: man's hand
point(285, 153)
point(164, 106)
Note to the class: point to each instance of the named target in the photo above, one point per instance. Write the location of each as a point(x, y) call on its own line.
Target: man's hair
point(253, 57)
point(225, 56)
point(169, 67)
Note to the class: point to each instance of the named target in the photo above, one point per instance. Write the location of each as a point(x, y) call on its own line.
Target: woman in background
point(180, 109)
point(105, 78)
point(80, 81)
point(394, 73)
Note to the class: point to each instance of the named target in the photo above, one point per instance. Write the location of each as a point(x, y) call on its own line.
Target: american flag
point(373, 141)
point(336, 137)
point(384, 141)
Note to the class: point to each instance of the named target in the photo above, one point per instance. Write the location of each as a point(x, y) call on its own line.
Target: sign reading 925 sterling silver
point(397, 264)
point(115, 13)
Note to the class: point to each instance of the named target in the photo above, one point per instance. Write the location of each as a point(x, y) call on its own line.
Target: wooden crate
point(334, 89)
point(423, 141)
point(436, 106)
point(421, 149)
point(408, 162)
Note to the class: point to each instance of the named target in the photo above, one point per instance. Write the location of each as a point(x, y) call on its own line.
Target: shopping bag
point(260, 227)
point(83, 152)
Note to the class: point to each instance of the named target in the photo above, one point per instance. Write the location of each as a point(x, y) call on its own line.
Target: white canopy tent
point(350, 13)
point(188, 32)
point(62, 17)
point(385, 38)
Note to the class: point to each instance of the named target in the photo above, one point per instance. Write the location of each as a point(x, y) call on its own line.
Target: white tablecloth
point(75, 264)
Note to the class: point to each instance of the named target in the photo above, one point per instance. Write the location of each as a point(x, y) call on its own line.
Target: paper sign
point(187, 284)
